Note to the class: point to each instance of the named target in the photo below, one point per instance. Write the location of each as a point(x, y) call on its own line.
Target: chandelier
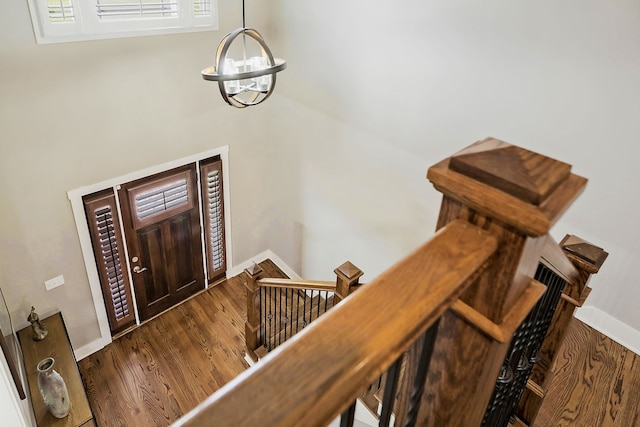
point(247, 81)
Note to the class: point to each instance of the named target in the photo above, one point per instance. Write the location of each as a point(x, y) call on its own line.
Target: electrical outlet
point(54, 283)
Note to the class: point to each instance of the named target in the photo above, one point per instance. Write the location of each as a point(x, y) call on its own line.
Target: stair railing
point(570, 264)
point(279, 308)
point(320, 373)
point(441, 319)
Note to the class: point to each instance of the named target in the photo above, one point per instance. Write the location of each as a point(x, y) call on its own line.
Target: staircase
point(287, 306)
point(466, 328)
point(279, 307)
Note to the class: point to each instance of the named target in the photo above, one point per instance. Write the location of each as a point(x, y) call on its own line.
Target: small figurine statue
point(39, 330)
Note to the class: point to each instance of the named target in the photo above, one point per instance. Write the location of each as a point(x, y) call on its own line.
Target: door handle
point(137, 269)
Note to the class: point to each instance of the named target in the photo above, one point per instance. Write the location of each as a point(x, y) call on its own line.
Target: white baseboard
point(610, 326)
point(93, 346)
point(268, 254)
point(89, 349)
point(362, 418)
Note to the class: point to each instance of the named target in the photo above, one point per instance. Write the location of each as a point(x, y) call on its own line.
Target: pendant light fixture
point(247, 81)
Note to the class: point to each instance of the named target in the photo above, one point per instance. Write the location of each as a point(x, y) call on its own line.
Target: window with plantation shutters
point(129, 9)
point(162, 199)
point(213, 206)
point(73, 20)
point(100, 209)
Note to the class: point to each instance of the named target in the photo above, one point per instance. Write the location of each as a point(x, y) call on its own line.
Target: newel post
point(347, 276)
point(252, 325)
point(516, 195)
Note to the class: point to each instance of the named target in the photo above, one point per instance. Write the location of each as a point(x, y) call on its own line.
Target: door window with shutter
point(108, 246)
point(213, 216)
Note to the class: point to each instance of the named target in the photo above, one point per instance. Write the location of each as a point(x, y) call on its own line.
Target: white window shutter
point(213, 206)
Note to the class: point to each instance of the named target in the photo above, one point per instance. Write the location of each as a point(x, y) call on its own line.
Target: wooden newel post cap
point(521, 188)
point(529, 176)
point(254, 273)
point(584, 255)
point(348, 272)
point(254, 270)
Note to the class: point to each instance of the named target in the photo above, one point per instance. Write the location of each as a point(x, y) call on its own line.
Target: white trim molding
point(268, 254)
point(603, 322)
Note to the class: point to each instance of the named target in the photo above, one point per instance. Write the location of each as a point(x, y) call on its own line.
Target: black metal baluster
point(286, 311)
point(523, 354)
point(297, 292)
point(389, 396)
point(274, 316)
point(346, 419)
point(421, 374)
point(279, 295)
point(269, 317)
point(262, 317)
point(290, 313)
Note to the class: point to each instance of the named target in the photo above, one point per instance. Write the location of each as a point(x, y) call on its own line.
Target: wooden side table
point(56, 345)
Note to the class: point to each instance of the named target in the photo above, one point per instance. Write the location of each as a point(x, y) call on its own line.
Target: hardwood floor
point(596, 383)
point(158, 372)
point(161, 370)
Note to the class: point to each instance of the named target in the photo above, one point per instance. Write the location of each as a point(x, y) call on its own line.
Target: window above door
point(56, 21)
point(161, 198)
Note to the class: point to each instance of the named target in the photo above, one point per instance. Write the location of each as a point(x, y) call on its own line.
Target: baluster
point(286, 312)
point(270, 319)
point(263, 314)
point(279, 316)
point(291, 313)
point(346, 419)
point(421, 374)
point(389, 396)
point(297, 303)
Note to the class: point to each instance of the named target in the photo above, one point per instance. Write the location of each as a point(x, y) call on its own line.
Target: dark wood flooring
point(596, 383)
point(161, 370)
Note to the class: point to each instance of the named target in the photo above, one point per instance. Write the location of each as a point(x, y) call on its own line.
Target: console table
point(56, 345)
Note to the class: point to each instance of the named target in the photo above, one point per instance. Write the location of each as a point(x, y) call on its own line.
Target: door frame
point(77, 206)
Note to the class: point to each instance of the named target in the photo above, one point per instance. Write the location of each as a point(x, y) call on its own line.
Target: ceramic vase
point(53, 389)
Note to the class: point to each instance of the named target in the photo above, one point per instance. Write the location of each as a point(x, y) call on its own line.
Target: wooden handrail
point(299, 284)
point(316, 375)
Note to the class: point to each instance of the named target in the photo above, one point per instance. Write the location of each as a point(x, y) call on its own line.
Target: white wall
point(378, 92)
point(134, 103)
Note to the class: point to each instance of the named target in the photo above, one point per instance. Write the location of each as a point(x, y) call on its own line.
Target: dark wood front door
point(162, 227)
